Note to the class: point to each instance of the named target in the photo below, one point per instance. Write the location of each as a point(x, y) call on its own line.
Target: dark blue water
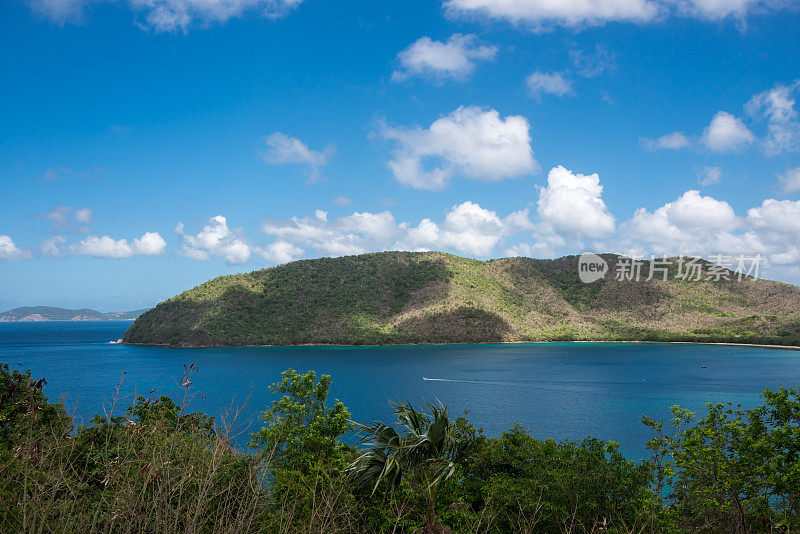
point(560, 390)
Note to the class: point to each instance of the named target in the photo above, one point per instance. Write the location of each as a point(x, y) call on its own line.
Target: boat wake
point(460, 381)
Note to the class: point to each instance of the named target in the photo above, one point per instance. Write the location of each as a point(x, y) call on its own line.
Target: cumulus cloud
point(673, 141)
point(467, 228)
point(455, 58)
point(709, 176)
point(280, 252)
point(790, 180)
point(550, 83)
point(777, 107)
point(572, 203)
point(215, 239)
point(10, 251)
point(726, 133)
point(469, 142)
point(353, 234)
point(150, 244)
point(283, 149)
point(776, 215)
point(692, 224)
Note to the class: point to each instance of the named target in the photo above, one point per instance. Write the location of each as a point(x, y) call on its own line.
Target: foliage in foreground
point(157, 467)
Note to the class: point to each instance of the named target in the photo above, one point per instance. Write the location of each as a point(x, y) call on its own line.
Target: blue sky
point(149, 145)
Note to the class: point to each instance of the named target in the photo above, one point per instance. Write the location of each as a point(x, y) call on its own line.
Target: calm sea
point(559, 390)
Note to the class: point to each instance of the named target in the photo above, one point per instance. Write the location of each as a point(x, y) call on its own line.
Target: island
point(436, 298)
point(28, 314)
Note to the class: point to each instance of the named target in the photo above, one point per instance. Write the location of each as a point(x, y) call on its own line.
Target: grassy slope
point(403, 297)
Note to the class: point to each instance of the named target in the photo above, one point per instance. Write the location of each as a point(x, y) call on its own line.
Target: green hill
point(432, 297)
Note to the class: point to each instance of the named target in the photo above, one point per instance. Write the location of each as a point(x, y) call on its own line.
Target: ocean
point(556, 390)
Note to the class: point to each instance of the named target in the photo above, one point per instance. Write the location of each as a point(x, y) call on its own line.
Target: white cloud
point(83, 216)
point(280, 252)
point(470, 142)
point(719, 9)
point(556, 12)
point(453, 59)
point(171, 15)
point(467, 228)
point(60, 11)
point(593, 64)
point(54, 246)
point(10, 251)
point(673, 141)
point(65, 217)
point(353, 234)
point(571, 203)
point(342, 201)
point(726, 133)
point(776, 215)
point(693, 211)
point(379, 226)
point(215, 239)
point(709, 176)
point(790, 180)
point(282, 149)
point(692, 224)
point(777, 106)
point(150, 244)
point(551, 83)
point(580, 13)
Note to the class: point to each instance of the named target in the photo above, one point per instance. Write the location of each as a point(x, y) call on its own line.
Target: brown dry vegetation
point(432, 297)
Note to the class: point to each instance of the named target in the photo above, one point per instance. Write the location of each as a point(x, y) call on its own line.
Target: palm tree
point(424, 454)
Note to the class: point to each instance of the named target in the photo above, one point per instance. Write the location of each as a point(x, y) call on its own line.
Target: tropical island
point(433, 297)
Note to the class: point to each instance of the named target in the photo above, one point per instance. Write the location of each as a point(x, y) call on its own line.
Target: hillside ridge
point(52, 313)
point(433, 297)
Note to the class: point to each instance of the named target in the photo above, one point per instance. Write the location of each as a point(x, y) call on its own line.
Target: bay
point(557, 390)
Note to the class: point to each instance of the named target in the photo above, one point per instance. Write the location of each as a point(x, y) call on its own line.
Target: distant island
point(433, 297)
point(49, 313)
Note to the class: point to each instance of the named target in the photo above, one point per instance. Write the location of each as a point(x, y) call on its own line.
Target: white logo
point(591, 267)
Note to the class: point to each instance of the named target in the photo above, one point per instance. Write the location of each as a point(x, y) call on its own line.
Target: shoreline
point(732, 344)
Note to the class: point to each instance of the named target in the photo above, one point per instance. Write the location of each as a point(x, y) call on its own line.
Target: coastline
point(754, 345)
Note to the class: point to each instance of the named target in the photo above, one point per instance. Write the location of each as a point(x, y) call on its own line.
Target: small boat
point(703, 367)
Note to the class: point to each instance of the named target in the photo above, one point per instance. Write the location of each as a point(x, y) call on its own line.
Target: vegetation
point(423, 456)
point(157, 467)
point(431, 297)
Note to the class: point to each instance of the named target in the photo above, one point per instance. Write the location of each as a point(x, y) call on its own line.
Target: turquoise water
point(560, 390)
